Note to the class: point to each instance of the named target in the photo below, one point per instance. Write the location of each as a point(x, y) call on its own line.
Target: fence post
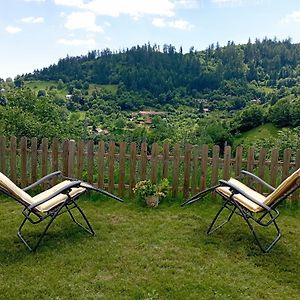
point(204, 161)
point(90, 161)
point(261, 166)
point(23, 161)
point(122, 153)
point(65, 155)
point(80, 158)
point(13, 159)
point(44, 156)
point(54, 152)
point(132, 167)
point(2, 154)
point(111, 167)
point(154, 162)
point(176, 160)
point(34, 159)
point(195, 163)
point(71, 158)
point(187, 170)
point(101, 153)
point(274, 167)
point(165, 171)
point(227, 159)
point(238, 160)
point(144, 161)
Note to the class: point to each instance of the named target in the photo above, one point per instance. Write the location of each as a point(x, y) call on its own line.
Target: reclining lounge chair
point(49, 203)
point(251, 205)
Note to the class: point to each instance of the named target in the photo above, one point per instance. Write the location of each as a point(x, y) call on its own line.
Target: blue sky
point(36, 33)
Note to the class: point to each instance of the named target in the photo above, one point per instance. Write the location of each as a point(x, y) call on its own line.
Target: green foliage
point(146, 188)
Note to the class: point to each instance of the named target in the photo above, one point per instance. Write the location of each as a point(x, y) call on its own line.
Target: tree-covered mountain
point(148, 68)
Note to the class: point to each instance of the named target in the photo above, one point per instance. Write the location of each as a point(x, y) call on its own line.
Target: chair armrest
point(60, 191)
point(258, 179)
point(90, 187)
point(43, 179)
point(237, 190)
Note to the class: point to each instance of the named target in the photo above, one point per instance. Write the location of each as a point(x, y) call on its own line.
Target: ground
point(141, 253)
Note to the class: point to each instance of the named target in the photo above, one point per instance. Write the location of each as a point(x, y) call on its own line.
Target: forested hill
point(150, 68)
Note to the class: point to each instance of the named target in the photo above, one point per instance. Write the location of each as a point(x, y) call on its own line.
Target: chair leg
point(211, 229)
point(269, 246)
point(41, 236)
point(89, 228)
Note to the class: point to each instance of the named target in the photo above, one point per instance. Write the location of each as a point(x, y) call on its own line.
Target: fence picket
point(204, 161)
point(165, 161)
point(132, 167)
point(2, 154)
point(227, 158)
point(34, 159)
point(176, 160)
point(154, 162)
point(187, 168)
point(111, 167)
point(186, 171)
point(101, 153)
point(144, 161)
point(23, 157)
point(13, 159)
point(121, 184)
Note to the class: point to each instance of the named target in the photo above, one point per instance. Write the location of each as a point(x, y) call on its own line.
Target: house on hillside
point(147, 116)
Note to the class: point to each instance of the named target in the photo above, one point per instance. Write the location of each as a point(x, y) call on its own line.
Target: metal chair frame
point(34, 216)
point(267, 217)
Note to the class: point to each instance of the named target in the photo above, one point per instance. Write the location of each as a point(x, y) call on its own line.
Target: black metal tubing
point(92, 188)
point(246, 215)
point(199, 196)
point(53, 214)
point(258, 179)
point(68, 204)
point(43, 179)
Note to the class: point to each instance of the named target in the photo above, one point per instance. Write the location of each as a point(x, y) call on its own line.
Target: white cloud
point(293, 17)
point(33, 20)
point(115, 8)
point(78, 42)
point(227, 2)
point(177, 24)
point(180, 24)
point(12, 29)
point(159, 22)
point(188, 3)
point(83, 20)
point(34, 0)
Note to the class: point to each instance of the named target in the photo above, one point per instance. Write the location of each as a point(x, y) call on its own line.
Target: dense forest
point(224, 90)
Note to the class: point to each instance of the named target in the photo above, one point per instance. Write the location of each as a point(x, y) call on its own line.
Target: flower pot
point(152, 201)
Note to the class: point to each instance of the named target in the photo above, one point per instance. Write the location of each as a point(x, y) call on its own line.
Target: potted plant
point(148, 193)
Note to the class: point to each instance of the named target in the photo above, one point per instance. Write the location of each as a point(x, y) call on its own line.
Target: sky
point(37, 33)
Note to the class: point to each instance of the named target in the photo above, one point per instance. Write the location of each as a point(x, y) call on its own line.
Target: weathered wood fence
point(118, 166)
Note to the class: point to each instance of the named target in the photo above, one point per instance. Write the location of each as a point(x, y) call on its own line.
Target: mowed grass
point(141, 253)
point(263, 131)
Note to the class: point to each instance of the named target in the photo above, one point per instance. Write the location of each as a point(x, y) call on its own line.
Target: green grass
point(141, 253)
point(263, 131)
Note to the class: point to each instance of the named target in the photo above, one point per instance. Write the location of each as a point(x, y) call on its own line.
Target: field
point(139, 253)
point(263, 131)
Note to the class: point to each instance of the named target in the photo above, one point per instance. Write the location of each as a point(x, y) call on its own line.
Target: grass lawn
point(263, 131)
point(141, 253)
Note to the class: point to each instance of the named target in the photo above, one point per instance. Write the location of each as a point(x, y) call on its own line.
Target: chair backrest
point(283, 188)
point(7, 185)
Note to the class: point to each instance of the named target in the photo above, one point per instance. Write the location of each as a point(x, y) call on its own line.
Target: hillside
point(208, 96)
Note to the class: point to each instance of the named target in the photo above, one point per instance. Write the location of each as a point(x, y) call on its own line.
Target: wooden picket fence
point(118, 166)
